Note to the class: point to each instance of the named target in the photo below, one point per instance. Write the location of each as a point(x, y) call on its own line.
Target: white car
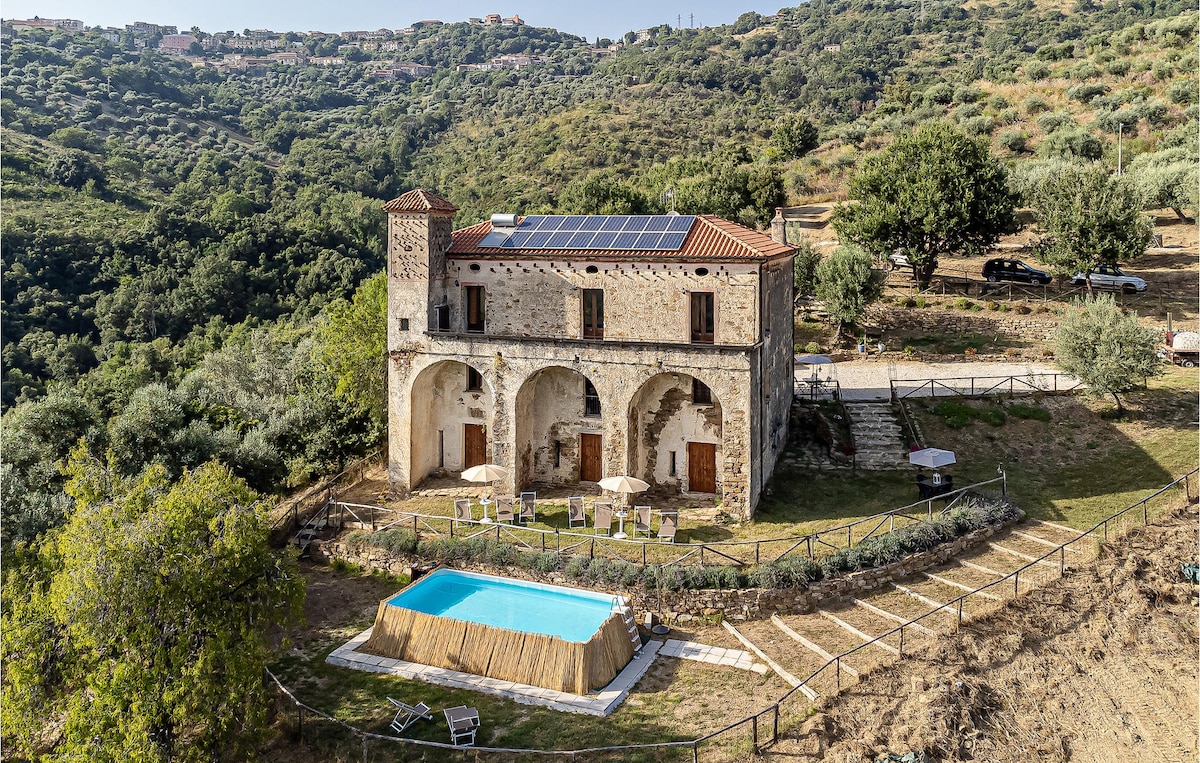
point(1110, 277)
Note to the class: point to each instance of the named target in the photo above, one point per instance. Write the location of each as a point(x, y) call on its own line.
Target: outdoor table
point(931, 489)
point(485, 502)
point(620, 515)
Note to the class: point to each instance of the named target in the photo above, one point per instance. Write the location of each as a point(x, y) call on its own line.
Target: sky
point(610, 18)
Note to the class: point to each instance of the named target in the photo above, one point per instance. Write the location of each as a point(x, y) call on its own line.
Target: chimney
point(778, 227)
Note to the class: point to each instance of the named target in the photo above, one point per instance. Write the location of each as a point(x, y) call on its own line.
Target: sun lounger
point(528, 507)
point(504, 508)
point(407, 715)
point(668, 524)
point(641, 520)
point(462, 510)
point(602, 518)
point(575, 515)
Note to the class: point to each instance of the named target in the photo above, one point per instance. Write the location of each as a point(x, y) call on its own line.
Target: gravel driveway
point(869, 379)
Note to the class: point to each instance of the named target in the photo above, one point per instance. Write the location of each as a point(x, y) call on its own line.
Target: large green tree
point(1087, 218)
point(932, 193)
point(353, 346)
point(847, 284)
point(1106, 347)
point(144, 627)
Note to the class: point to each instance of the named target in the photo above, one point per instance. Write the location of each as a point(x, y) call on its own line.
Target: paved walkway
point(713, 655)
point(868, 379)
point(599, 703)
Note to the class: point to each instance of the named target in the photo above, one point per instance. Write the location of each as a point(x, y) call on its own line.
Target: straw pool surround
point(571, 614)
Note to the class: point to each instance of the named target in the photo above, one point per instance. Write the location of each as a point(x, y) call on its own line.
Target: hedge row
point(974, 513)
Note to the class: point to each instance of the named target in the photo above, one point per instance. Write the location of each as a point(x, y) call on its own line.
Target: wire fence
point(767, 726)
point(648, 551)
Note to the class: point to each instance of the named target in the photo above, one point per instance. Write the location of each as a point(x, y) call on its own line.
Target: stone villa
point(571, 348)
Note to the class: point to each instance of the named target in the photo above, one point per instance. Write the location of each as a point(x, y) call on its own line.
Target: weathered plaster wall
point(550, 410)
point(442, 406)
point(662, 419)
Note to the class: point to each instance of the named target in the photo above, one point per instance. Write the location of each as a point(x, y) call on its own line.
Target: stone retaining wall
point(681, 607)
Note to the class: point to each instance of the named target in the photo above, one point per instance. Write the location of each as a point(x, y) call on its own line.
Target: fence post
point(775, 725)
point(810, 548)
point(754, 732)
point(543, 537)
point(930, 504)
point(959, 624)
point(1106, 529)
point(701, 554)
point(364, 748)
point(643, 554)
point(900, 649)
point(1062, 561)
point(695, 752)
point(592, 549)
point(756, 545)
point(1144, 513)
point(1016, 583)
point(837, 663)
point(299, 721)
point(849, 537)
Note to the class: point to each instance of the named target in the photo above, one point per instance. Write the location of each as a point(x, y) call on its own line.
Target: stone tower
point(419, 227)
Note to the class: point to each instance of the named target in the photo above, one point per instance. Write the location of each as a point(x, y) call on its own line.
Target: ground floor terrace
point(686, 422)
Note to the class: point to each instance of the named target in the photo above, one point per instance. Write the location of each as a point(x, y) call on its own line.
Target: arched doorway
point(559, 429)
point(451, 417)
point(675, 429)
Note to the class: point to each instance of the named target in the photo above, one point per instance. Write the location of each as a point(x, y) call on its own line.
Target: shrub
point(962, 303)
point(575, 567)
point(993, 416)
point(1025, 411)
point(956, 415)
point(546, 561)
point(397, 540)
point(812, 347)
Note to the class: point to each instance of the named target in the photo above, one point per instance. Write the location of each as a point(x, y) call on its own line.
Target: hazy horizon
point(611, 20)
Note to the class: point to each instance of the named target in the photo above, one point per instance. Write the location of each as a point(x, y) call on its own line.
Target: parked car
point(898, 260)
point(1110, 277)
point(1013, 270)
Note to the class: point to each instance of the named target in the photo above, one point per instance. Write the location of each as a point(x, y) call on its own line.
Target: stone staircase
point(877, 441)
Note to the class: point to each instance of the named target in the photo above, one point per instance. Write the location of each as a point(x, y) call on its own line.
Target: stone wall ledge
point(682, 607)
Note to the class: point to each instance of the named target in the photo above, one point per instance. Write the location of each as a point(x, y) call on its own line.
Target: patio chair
point(602, 517)
point(504, 508)
point(462, 510)
point(641, 520)
point(575, 515)
point(463, 722)
point(407, 715)
point(528, 507)
point(668, 524)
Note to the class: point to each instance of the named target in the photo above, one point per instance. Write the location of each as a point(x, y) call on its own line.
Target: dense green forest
point(174, 236)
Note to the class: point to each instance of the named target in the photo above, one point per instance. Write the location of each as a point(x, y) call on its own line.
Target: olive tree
point(847, 284)
point(1087, 218)
point(144, 627)
point(936, 192)
point(1106, 347)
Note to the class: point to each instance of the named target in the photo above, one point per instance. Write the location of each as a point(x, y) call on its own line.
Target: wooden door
point(589, 458)
point(474, 445)
point(702, 467)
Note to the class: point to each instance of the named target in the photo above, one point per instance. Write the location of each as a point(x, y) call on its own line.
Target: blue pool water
point(568, 613)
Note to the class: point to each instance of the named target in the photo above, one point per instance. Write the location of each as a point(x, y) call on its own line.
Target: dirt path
point(1098, 667)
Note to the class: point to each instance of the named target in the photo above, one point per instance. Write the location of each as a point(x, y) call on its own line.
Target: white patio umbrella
point(625, 485)
point(485, 473)
point(932, 457)
point(812, 360)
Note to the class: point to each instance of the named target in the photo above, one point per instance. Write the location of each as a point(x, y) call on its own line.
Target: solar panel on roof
point(679, 222)
point(634, 232)
point(625, 241)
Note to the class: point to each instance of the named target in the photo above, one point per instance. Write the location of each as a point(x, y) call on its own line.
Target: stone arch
point(663, 420)
point(443, 406)
point(552, 413)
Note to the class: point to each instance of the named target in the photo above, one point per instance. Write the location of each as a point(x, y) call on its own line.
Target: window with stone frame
point(703, 317)
point(701, 394)
point(473, 298)
point(591, 399)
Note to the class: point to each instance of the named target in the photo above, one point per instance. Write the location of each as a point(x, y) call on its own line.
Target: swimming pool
point(569, 613)
point(559, 638)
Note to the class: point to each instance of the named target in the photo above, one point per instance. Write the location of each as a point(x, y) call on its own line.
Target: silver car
point(1110, 277)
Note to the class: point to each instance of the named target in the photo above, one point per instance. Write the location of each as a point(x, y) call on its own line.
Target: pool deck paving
point(712, 655)
point(600, 703)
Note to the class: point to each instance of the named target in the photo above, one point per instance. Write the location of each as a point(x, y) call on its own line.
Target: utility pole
point(1120, 129)
point(678, 21)
point(691, 21)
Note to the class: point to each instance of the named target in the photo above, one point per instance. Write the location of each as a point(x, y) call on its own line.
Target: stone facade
point(494, 360)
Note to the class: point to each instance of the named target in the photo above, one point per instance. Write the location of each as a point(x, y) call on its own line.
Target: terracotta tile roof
point(711, 238)
point(418, 200)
